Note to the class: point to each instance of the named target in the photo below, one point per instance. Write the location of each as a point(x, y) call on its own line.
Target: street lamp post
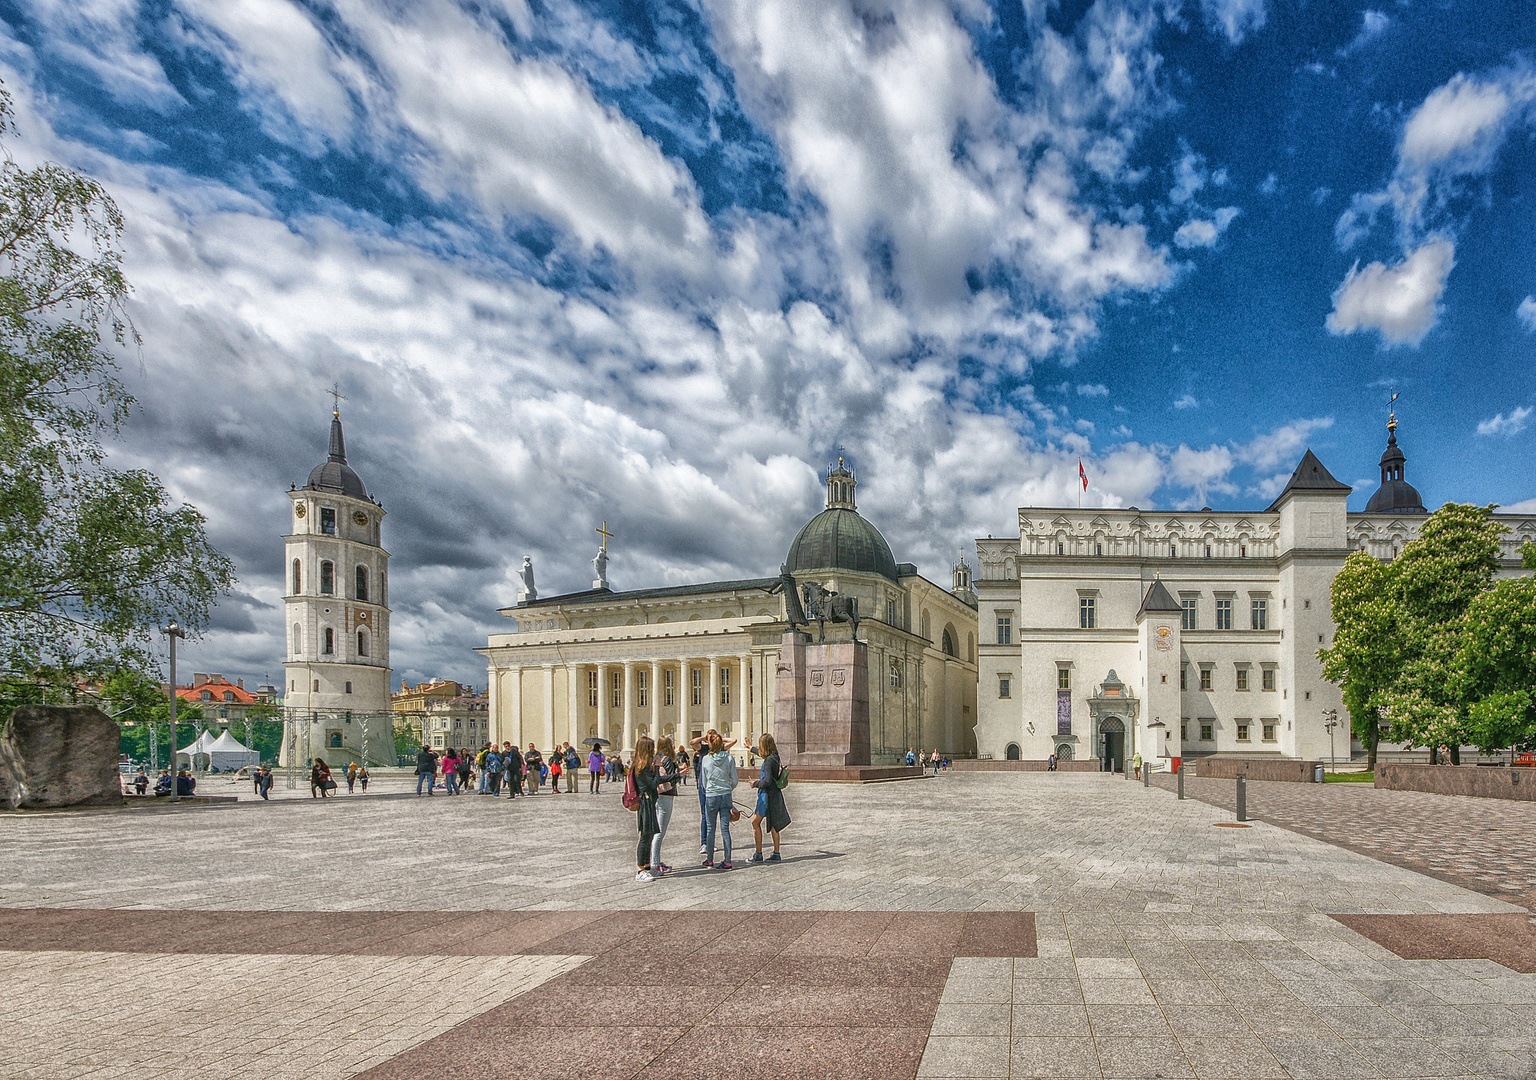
point(1331, 721)
point(172, 632)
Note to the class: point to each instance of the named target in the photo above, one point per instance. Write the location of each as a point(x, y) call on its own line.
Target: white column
point(549, 706)
point(629, 705)
point(515, 713)
point(574, 716)
point(743, 701)
point(602, 701)
point(684, 700)
point(655, 700)
point(714, 692)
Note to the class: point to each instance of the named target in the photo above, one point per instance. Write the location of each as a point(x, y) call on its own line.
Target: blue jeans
point(431, 782)
point(719, 822)
point(703, 816)
point(451, 782)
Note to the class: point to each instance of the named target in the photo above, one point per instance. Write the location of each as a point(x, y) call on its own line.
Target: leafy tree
point(1364, 655)
point(92, 559)
point(1498, 665)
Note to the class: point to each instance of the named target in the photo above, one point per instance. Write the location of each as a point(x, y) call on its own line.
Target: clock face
point(298, 510)
point(360, 517)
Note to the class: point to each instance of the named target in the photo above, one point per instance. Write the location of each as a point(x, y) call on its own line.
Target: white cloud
point(1401, 301)
point(1186, 402)
point(1513, 424)
point(1234, 18)
point(1202, 471)
point(1526, 313)
point(1189, 176)
point(101, 36)
point(1283, 445)
point(1373, 24)
point(1092, 390)
point(1200, 232)
point(1269, 185)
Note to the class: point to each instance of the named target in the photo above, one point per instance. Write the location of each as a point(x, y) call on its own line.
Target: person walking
point(533, 767)
point(572, 767)
point(647, 788)
point(351, 777)
point(362, 778)
point(936, 759)
point(771, 810)
point(514, 760)
point(319, 778)
point(264, 781)
point(1050, 763)
point(556, 767)
point(255, 780)
point(666, 798)
point(494, 768)
point(451, 771)
point(717, 777)
point(426, 770)
point(595, 771)
point(466, 769)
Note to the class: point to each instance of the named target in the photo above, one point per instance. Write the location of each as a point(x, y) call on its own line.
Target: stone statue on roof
point(600, 568)
point(529, 591)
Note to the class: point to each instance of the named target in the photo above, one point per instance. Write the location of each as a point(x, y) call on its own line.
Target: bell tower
point(337, 616)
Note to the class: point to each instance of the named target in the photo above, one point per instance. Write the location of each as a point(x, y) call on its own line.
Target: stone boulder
point(59, 755)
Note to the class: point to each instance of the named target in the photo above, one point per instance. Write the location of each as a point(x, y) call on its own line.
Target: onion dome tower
point(840, 538)
point(1396, 495)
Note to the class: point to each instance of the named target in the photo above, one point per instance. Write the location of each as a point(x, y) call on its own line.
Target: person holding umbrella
point(595, 762)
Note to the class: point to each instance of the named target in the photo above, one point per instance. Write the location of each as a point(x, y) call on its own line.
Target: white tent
point(198, 746)
point(229, 754)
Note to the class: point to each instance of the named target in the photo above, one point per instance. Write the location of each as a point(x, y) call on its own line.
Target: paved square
point(972, 925)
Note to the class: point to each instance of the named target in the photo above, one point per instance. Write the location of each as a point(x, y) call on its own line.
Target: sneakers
point(709, 864)
point(773, 858)
point(703, 849)
point(726, 866)
point(664, 868)
point(756, 856)
point(645, 875)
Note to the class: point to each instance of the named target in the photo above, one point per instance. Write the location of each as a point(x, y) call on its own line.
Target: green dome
point(841, 539)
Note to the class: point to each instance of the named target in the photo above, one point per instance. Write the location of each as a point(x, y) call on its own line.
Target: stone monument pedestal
point(821, 713)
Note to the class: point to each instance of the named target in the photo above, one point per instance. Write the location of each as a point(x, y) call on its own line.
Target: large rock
point(58, 755)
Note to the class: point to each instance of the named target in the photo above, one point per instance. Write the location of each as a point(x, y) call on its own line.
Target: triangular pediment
point(1209, 525)
point(1175, 523)
point(1138, 522)
point(1099, 522)
point(1244, 523)
point(1061, 521)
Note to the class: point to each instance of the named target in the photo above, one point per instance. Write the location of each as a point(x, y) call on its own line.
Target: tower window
point(298, 577)
point(362, 583)
point(362, 643)
point(1260, 614)
point(328, 521)
point(327, 579)
point(1005, 629)
point(329, 638)
point(1004, 689)
point(1063, 677)
point(895, 674)
point(298, 640)
point(317, 686)
point(349, 687)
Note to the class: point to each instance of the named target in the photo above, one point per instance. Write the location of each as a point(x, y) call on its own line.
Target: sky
point(654, 263)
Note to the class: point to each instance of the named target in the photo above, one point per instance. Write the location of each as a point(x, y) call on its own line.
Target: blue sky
point(653, 263)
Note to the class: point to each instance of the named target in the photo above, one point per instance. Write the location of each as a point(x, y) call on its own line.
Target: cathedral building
point(678, 660)
point(1171, 633)
point(337, 606)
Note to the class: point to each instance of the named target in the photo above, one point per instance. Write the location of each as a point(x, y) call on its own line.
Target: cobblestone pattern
point(1245, 996)
point(1481, 844)
point(963, 842)
point(145, 1017)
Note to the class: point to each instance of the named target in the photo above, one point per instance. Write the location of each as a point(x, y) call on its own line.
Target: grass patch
point(1349, 778)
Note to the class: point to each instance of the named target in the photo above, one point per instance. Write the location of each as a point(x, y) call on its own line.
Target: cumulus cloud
point(1526, 313)
point(1092, 390)
point(1202, 232)
point(1282, 445)
point(1235, 18)
point(1402, 301)
point(100, 36)
point(1512, 424)
point(1202, 471)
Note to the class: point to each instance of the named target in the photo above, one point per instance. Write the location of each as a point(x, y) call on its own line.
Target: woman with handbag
point(320, 782)
point(666, 799)
point(642, 791)
point(770, 799)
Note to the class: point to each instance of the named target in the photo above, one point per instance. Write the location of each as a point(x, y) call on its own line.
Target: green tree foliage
point(1399, 653)
point(91, 558)
point(1498, 665)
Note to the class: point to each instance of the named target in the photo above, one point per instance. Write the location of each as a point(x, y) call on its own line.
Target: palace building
point(1109, 633)
point(679, 660)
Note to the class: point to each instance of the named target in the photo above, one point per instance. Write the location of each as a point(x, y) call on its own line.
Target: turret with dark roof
point(334, 474)
point(1310, 475)
point(1396, 495)
point(1158, 598)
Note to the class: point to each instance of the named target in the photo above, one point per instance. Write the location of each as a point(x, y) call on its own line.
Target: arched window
point(1013, 751)
point(383, 587)
point(298, 640)
point(362, 583)
point(362, 643)
point(949, 643)
point(298, 578)
point(329, 642)
point(327, 579)
point(927, 628)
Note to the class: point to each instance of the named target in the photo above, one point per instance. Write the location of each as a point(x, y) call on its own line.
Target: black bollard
point(1242, 797)
point(1181, 781)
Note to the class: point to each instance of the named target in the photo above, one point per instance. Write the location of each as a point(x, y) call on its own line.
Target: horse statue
point(826, 606)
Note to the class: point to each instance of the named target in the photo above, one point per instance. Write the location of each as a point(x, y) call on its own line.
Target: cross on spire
point(336, 399)
point(1392, 412)
point(606, 535)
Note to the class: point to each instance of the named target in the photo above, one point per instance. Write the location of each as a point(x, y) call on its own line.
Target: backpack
point(631, 796)
point(783, 781)
point(493, 764)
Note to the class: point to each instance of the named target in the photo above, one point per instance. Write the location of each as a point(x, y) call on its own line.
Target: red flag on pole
point(1082, 475)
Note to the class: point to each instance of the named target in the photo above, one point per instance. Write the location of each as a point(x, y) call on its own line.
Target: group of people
point(934, 761)
point(183, 782)
point(657, 775)
point(521, 772)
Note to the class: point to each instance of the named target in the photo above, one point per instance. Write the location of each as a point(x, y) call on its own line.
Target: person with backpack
point(770, 799)
point(572, 768)
point(641, 792)
point(533, 766)
point(595, 764)
point(362, 778)
point(494, 767)
point(426, 770)
point(718, 778)
point(666, 798)
point(320, 782)
point(451, 771)
point(514, 761)
point(485, 780)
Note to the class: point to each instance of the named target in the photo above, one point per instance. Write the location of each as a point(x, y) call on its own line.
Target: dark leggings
point(643, 849)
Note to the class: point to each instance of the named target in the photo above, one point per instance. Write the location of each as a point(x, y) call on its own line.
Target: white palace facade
point(679, 660)
point(1109, 633)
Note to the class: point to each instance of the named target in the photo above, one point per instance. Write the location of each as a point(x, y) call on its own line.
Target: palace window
point(1098, 549)
point(298, 578)
point(1087, 612)
point(1184, 730)
point(1173, 551)
point(1187, 620)
point(1183, 676)
point(1242, 678)
point(1207, 731)
point(642, 697)
point(1242, 730)
point(1224, 614)
point(1205, 677)
point(349, 690)
point(329, 639)
point(669, 688)
point(317, 690)
point(698, 686)
point(895, 674)
point(1267, 679)
point(362, 643)
point(298, 640)
point(1061, 549)
point(1003, 686)
point(1005, 629)
point(327, 579)
point(1260, 614)
point(362, 583)
point(1269, 731)
point(328, 521)
point(591, 689)
point(725, 686)
point(890, 612)
point(616, 691)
